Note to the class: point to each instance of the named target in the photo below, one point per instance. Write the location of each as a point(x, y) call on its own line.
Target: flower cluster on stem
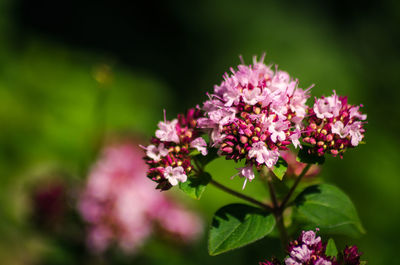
point(333, 126)
point(168, 155)
point(254, 113)
point(308, 249)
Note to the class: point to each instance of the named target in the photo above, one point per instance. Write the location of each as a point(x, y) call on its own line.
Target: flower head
point(168, 155)
point(254, 113)
point(308, 249)
point(333, 126)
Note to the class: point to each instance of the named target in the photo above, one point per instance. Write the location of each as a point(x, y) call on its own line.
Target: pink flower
point(200, 145)
point(301, 253)
point(170, 159)
point(333, 126)
point(253, 96)
point(339, 129)
point(308, 237)
point(175, 175)
point(295, 138)
point(263, 156)
point(156, 152)
point(231, 96)
point(355, 113)
point(327, 107)
point(247, 173)
point(277, 130)
point(355, 131)
point(167, 131)
point(120, 205)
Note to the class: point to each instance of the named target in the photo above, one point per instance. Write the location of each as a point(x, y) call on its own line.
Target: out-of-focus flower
point(308, 249)
point(351, 255)
point(49, 203)
point(168, 155)
point(333, 126)
point(120, 205)
point(295, 167)
point(254, 113)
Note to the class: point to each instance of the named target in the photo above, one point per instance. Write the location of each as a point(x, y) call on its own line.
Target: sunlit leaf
point(195, 186)
point(327, 207)
point(237, 225)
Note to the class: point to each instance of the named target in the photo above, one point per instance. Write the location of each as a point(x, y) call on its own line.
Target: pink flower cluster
point(254, 113)
point(121, 206)
point(308, 249)
point(168, 154)
point(334, 125)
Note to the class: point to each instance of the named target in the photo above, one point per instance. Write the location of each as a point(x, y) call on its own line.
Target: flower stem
point(293, 188)
point(277, 213)
point(241, 196)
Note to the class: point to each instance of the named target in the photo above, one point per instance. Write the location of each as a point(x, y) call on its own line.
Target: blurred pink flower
point(295, 167)
point(120, 205)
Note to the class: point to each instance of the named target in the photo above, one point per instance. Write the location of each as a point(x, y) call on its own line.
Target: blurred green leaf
point(195, 186)
point(304, 157)
point(331, 249)
point(328, 208)
point(280, 168)
point(237, 225)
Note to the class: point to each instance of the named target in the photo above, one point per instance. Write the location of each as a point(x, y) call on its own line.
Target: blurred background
point(75, 74)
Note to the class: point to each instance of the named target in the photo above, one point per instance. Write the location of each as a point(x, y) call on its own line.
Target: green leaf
point(331, 249)
point(327, 207)
point(280, 168)
point(195, 186)
point(305, 157)
point(237, 225)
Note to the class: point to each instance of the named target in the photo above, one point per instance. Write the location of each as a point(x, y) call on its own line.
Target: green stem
point(277, 213)
point(293, 188)
point(241, 196)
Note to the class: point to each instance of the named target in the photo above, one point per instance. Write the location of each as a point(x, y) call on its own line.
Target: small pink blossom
point(156, 153)
point(301, 253)
point(253, 96)
point(246, 172)
point(277, 130)
point(355, 113)
point(280, 81)
point(339, 128)
point(355, 131)
point(308, 237)
point(231, 96)
point(263, 155)
point(167, 131)
point(295, 138)
point(175, 175)
point(200, 145)
point(327, 107)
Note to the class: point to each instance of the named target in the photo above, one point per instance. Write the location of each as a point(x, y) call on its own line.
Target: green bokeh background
point(167, 55)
